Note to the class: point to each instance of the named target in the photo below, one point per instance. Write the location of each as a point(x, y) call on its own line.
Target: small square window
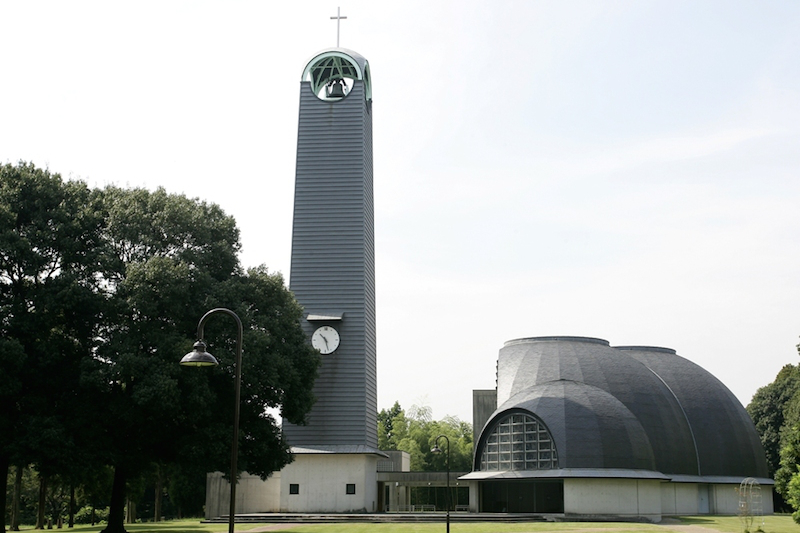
point(294, 488)
point(351, 488)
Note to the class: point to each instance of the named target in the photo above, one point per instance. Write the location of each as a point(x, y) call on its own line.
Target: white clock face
point(325, 339)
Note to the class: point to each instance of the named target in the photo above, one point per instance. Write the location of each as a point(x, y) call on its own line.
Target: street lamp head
point(199, 356)
point(436, 448)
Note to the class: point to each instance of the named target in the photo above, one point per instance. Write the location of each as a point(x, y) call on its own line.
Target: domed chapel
point(579, 427)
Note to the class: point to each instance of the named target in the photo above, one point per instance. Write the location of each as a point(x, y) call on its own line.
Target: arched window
point(519, 442)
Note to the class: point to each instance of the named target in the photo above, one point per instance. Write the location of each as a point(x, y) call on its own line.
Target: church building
point(575, 428)
point(579, 428)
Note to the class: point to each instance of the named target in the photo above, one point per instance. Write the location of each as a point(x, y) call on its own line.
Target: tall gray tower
point(333, 257)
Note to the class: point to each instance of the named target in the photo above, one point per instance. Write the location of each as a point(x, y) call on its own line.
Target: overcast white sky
point(625, 170)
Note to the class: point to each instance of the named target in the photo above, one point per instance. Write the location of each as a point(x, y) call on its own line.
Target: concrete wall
point(398, 461)
point(701, 498)
point(484, 403)
point(253, 495)
point(399, 497)
point(679, 499)
point(474, 496)
point(625, 498)
point(322, 480)
point(725, 499)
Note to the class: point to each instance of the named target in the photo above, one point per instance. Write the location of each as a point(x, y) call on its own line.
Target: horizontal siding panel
point(333, 262)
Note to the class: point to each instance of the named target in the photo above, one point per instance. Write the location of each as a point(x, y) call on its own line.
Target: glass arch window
point(519, 442)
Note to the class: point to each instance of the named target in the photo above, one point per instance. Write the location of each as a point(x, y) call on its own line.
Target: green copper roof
point(334, 64)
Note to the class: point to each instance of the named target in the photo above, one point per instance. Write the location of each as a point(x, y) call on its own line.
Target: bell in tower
point(335, 89)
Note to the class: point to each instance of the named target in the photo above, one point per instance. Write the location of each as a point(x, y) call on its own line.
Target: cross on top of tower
point(338, 19)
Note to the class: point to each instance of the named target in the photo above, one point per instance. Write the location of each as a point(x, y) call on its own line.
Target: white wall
point(253, 495)
point(627, 498)
point(694, 498)
point(725, 499)
point(679, 499)
point(322, 480)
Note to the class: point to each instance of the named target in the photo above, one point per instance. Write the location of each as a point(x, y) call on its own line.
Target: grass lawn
point(688, 524)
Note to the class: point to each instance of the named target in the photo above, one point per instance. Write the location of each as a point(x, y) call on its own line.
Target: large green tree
point(170, 259)
point(775, 410)
point(769, 409)
point(50, 232)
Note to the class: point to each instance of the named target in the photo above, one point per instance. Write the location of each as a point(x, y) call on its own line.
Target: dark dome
point(727, 441)
point(567, 408)
point(633, 408)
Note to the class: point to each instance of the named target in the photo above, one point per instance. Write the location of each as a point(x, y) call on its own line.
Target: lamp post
point(436, 449)
point(200, 357)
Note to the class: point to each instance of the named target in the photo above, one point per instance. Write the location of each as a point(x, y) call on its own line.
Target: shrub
point(84, 515)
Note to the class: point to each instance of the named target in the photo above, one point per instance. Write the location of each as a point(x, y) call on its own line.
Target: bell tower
point(333, 251)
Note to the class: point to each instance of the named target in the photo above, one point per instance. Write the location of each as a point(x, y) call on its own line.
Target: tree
point(100, 292)
point(775, 410)
point(416, 432)
point(170, 259)
point(387, 439)
point(49, 238)
point(768, 411)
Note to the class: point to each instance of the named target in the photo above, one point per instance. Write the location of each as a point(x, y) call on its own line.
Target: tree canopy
point(415, 432)
point(50, 301)
point(101, 291)
point(775, 410)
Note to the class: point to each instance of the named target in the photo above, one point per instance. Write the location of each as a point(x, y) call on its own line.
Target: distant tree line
point(100, 294)
point(775, 409)
point(415, 432)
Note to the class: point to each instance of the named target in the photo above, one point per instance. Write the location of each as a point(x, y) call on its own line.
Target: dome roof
point(638, 408)
point(567, 408)
point(727, 441)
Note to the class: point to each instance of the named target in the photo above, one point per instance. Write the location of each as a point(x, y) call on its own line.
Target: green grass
point(731, 524)
point(724, 524)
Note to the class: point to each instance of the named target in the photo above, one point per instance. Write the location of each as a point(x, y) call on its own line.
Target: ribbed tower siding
point(333, 263)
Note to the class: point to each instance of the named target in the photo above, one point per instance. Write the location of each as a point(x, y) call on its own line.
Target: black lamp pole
point(436, 449)
point(200, 357)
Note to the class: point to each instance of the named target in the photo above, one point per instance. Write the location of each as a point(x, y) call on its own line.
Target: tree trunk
point(130, 515)
point(15, 498)
point(116, 514)
point(40, 524)
point(71, 506)
point(157, 495)
point(4, 465)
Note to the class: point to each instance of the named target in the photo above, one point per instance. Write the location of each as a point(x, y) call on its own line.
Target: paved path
point(275, 527)
point(670, 524)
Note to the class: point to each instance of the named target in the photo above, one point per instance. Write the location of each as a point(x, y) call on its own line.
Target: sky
point(627, 170)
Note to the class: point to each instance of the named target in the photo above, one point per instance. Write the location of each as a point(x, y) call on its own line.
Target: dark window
point(294, 488)
point(351, 488)
point(522, 496)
